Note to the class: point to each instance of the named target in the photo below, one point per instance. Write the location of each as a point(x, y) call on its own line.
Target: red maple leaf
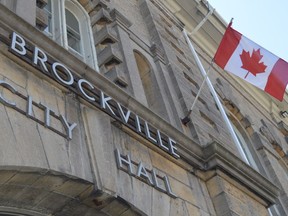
point(252, 63)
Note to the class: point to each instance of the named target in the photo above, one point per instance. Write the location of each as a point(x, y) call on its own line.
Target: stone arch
point(42, 192)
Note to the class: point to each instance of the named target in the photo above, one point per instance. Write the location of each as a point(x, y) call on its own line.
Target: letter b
point(18, 44)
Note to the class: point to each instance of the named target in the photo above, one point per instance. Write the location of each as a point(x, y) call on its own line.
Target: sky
point(263, 21)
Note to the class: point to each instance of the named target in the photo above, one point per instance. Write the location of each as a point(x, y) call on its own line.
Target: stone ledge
point(219, 159)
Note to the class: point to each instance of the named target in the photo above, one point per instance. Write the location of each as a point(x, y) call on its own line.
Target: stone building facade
point(93, 93)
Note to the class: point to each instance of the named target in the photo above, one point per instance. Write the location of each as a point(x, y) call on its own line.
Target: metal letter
point(168, 187)
point(29, 106)
point(80, 87)
point(104, 102)
point(42, 60)
point(48, 111)
point(141, 172)
point(124, 117)
point(121, 160)
point(147, 133)
point(138, 125)
point(160, 143)
point(172, 147)
point(68, 73)
point(18, 44)
point(155, 180)
point(68, 127)
point(10, 88)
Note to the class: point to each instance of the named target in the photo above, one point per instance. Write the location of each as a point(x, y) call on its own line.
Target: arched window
point(245, 145)
point(146, 77)
point(69, 25)
point(73, 32)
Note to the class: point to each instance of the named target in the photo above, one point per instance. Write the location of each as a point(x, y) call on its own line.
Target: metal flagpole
point(212, 90)
point(186, 119)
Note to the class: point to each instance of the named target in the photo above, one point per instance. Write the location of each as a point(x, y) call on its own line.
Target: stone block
point(13, 72)
point(28, 141)
point(142, 194)
point(177, 208)
point(125, 186)
point(101, 148)
point(23, 178)
point(160, 203)
point(185, 192)
point(9, 193)
point(214, 186)
point(56, 150)
point(169, 168)
point(6, 175)
point(10, 151)
point(77, 148)
point(30, 197)
point(49, 182)
point(221, 204)
point(193, 210)
point(49, 203)
point(116, 207)
point(72, 188)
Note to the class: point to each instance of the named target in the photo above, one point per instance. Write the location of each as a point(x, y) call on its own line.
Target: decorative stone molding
point(120, 19)
point(157, 53)
point(93, 6)
point(101, 17)
point(105, 36)
point(109, 56)
point(115, 75)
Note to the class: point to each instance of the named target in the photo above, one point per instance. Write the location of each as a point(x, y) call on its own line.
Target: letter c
point(80, 87)
point(10, 88)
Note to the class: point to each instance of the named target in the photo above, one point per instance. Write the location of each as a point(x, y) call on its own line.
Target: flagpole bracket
point(185, 120)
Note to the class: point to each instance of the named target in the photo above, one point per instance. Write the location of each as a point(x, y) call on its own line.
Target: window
point(48, 10)
point(244, 147)
point(69, 26)
point(73, 32)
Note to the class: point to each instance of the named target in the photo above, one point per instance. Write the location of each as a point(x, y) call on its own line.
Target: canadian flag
point(251, 62)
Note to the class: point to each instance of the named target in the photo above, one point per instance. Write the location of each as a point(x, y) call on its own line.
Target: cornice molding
point(218, 158)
